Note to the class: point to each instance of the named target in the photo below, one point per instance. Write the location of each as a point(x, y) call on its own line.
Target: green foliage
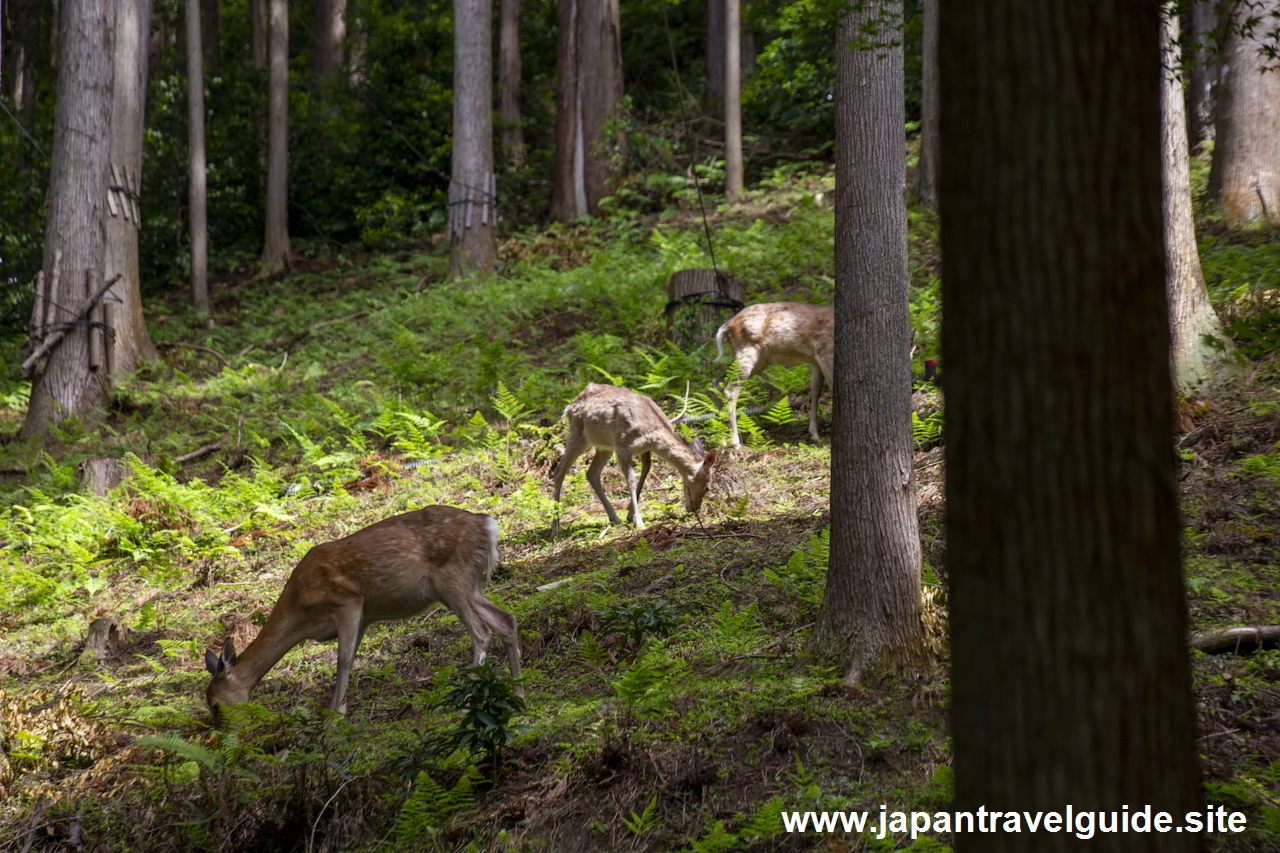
point(805, 574)
point(1261, 465)
point(429, 809)
point(927, 431)
point(490, 702)
point(636, 622)
point(647, 821)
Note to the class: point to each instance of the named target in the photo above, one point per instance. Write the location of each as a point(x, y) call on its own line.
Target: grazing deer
point(390, 570)
point(618, 420)
point(785, 333)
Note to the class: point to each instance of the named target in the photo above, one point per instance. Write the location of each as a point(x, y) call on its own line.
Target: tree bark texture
point(926, 182)
point(1202, 83)
point(258, 33)
point(210, 25)
point(1070, 675)
point(1245, 177)
point(1191, 315)
point(471, 191)
point(77, 197)
point(509, 83)
point(124, 207)
point(330, 35)
point(713, 75)
point(198, 221)
point(600, 82)
point(275, 248)
point(24, 18)
point(870, 617)
point(564, 206)
point(732, 101)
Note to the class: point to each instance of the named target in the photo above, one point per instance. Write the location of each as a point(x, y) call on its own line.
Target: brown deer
point(390, 570)
point(785, 333)
point(618, 420)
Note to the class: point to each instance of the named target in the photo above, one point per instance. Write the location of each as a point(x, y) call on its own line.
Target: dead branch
point(213, 352)
point(354, 315)
point(196, 454)
point(1242, 640)
point(82, 314)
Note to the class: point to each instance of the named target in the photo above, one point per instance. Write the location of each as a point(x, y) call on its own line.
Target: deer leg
point(815, 391)
point(629, 468)
point(503, 624)
point(593, 477)
point(350, 632)
point(574, 446)
point(646, 460)
point(746, 368)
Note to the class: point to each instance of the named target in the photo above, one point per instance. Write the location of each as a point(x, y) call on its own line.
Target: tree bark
point(196, 174)
point(1245, 177)
point(600, 81)
point(275, 249)
point(258, 33)
point(509, 84)
point(1062, 512)
point(870, 617)
point(926, 183)
point(131, 48)
point(471, 192)
point(713, 76)
point(330, 35)
point(24, 19)
point(74, 233)
point(566, 203)
point(1202, 88)
point(732, 101)
point(1191, 315)
point(209, 34)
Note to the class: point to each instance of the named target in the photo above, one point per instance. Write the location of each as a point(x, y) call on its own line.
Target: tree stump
point(106, 635)
point(697, 305)
point(101, 474)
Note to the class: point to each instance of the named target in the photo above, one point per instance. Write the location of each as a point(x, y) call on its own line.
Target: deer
point(783, 333)
point(386, 572)
point(618, 420)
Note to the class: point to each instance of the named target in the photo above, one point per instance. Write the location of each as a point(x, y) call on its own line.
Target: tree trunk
point(713, 85)
point(567, 203)
point(196, 174)
point(926, 183)
point(471, 191)
point(25, 28)
point(1245, 178)
point(1062, 512)
point(509, 84)
point(133, 26)
point(275, 248)
point(258, 33)
point(209, 26)
point(330, 34)
point(600, 82)
point(1202, 88)
point(1191, 315)
point(55, 29)
point(732, 101)
point(74, 233)
point(870, 618)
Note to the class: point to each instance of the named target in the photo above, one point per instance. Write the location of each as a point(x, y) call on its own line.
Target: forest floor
point(362, 385)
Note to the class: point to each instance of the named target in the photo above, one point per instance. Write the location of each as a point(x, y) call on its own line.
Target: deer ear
point(211, 662)
point(228, 653)
point(697, 445)
point(710, 460)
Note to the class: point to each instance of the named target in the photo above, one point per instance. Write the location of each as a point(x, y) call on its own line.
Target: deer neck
point(272, 643)
point(683, 459)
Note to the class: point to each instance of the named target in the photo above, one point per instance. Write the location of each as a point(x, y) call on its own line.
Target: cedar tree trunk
point(275, 248)
point(471, 191)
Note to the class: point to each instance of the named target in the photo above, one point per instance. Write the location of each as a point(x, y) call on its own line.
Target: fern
point(646, 822)
point(927, 431)
point(183, 748)
point(716, 839)
point(736, 631)
point(779, 414)
point(511, 409)
point(430, 808)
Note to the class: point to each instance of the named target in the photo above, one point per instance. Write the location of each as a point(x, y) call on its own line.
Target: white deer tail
point(489, 559)
point(720, 341)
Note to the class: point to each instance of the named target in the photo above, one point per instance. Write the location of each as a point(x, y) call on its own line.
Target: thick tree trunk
point(196, 175)
point(471, 192)
point(870, 618)
point(210, 25)
point(132, 340)
point(713, 76)
point(330, 35)
point(600, 81)
point(732, 101)
point(258, 33)
point(275, 248)
point(1191, 315)
point(926, 183)
point(509, 84)
point(564, 198)
point(1062, 512)
point(74, 236)
point(1245, 178)
point(1202, 85)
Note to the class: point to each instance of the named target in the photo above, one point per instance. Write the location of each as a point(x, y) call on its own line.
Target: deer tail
point(488, 559)
point(720, 341)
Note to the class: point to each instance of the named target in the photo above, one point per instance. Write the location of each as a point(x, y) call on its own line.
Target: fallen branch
point(354, 315)
point(82, 314)
point(196, 454)
point(1242, 640)
point(213, 352)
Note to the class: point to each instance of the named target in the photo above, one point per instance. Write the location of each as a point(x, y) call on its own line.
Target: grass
point(364, 385)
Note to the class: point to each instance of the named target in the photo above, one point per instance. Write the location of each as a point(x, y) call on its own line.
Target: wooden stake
point(37, 317)
point(484, 202)
point(467, 190)
point(111, 191)
point(95, 331)
point(109, 320)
